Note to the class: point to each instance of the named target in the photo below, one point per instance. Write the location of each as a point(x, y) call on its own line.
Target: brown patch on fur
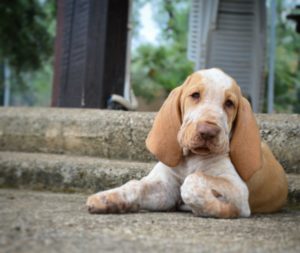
point(268, 187)
point(228, 210)
point(220, 208)
point(216, 194)
point(233, 94)
point(194, 85)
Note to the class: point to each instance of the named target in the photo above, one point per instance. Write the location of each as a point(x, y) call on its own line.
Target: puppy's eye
point(195, 95)
point(229, 104)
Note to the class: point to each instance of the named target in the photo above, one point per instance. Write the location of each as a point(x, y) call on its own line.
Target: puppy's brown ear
point(245, 145)
point(162, 139)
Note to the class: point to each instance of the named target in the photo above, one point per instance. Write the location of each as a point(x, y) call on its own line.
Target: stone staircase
point(80, 150)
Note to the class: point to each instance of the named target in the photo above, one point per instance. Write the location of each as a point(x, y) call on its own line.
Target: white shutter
point(235, 43)
point(201, 20)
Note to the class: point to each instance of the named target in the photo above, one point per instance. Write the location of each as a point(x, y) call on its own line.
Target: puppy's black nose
point(208, 131)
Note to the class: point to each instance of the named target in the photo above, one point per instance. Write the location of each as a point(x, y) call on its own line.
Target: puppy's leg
point(215, 196)
point(159, 191)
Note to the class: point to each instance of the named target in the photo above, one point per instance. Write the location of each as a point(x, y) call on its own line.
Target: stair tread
point(81, 173)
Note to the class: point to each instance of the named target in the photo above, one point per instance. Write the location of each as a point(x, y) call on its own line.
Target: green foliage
point(26, 43)
point(156, 67)
point(287, 66)
point(36, 87)
point(25, 40)
point(163, 66)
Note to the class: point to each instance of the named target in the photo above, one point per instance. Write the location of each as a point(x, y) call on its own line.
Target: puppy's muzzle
point(208, 131)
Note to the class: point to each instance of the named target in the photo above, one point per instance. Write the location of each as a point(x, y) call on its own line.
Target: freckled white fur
point(217, 77)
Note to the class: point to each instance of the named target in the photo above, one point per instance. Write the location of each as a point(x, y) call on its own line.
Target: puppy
point(211, 159)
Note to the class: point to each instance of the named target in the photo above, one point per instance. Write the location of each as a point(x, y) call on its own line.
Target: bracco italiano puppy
point(211, 158)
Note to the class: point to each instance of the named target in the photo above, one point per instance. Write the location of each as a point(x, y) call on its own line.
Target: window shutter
point(233, 40)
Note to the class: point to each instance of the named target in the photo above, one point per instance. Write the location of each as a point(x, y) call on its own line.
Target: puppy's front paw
point(103, 203)
point(108, 202)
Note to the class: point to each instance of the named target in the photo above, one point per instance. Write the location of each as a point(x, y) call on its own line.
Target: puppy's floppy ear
point(245, 145)
point(162, 139)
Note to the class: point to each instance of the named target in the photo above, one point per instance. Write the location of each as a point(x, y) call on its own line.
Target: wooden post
point(90, 52)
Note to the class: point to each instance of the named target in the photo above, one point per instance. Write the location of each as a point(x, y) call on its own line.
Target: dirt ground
point(38, 222)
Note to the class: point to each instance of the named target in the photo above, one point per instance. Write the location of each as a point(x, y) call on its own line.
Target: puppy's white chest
point(214, 166)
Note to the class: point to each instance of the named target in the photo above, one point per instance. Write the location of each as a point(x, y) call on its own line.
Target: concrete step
point(119, 135)
point(80, 174)
point(83, 132)
point(54, 222)
point(66, 173)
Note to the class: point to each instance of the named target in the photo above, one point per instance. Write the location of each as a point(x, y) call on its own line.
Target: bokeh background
point(158, 52)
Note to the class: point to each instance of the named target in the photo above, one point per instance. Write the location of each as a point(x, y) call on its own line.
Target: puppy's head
point(209, 104)
point(207, 115)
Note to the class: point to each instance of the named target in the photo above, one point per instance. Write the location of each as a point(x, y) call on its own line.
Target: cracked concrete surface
point(54, 222)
